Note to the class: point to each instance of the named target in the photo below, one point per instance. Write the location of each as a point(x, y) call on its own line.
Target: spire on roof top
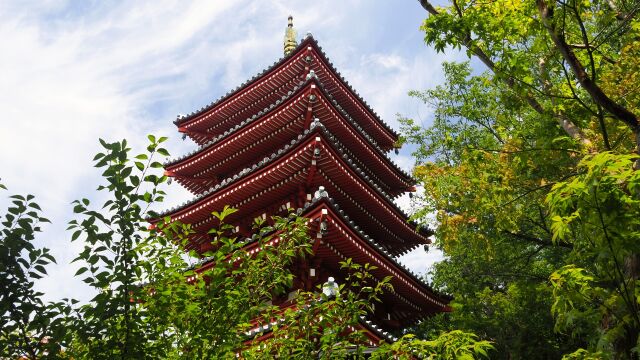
point(290, 37)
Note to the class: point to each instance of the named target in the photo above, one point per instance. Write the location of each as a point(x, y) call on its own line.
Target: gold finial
point(290, 42)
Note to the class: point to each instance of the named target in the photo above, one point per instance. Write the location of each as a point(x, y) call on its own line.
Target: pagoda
point(297, 136)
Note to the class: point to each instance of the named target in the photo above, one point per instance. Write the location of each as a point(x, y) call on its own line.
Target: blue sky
point(73, 72)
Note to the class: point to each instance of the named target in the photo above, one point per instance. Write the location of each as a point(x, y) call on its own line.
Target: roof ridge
point(358, 96)
point(238, 126)
point(364, 176)
point(377, 246)
point(242, 173)
point(361, 130)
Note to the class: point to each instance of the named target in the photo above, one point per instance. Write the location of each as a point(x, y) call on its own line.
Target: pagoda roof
point(185, 120)
point(193, 158)
point(344, 240)
point(407, 286)
point(314, 207)
point(304, 143)
point(341, 219)
point(377, 330)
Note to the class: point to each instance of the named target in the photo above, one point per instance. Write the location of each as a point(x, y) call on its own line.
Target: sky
point(74, 72)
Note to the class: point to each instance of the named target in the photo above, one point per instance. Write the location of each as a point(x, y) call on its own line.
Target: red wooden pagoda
point(298, 136)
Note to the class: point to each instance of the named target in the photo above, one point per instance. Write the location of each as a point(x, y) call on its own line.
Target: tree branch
point(567, 125)
point(603, 128)
point(593, 49)
point(596, 93)
point(614, 8)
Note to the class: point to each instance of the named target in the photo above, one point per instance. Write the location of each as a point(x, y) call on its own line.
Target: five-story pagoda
point(298, 136)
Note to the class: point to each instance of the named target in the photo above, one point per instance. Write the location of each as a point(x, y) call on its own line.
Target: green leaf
point(75, 235)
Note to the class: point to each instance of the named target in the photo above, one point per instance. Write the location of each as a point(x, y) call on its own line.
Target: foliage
point(558, 58)
point(598, 212)
point(210, 313)
point(582, 354)
point(113, 324)
point(170, 317)
point(455, 344)
point(323, 326)
point(527, 167)
point(484, 175)
point(26, 323)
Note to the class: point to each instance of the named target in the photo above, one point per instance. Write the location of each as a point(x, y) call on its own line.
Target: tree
point(555, 56)
point(27, 324)
point(113, 324)
point(599, 212)
point(517, 166)
point(486, 186)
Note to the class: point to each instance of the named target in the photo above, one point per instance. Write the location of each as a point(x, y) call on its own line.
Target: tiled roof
point(308, 40)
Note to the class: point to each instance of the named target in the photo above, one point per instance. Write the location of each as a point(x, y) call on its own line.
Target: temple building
point(298, 136)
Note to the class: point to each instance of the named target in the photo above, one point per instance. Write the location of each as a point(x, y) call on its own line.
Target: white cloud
point(65, 85)
point(419, 259)
point(385, 61)
point(388, 78)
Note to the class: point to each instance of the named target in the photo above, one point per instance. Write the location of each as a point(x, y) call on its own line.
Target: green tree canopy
point(530, 168)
